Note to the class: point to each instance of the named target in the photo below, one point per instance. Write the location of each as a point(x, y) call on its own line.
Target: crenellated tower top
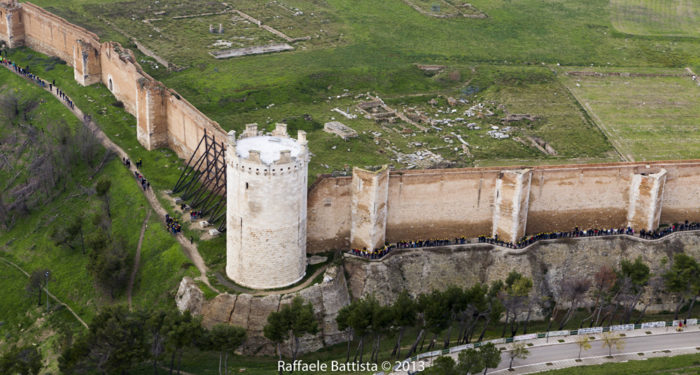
point(275, 148)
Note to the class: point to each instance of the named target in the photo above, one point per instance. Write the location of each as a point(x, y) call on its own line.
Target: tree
point(303, 321)
point(470, 362)
point(436, 312)
point(491, 356)
point(184, 331)
point(495, 307)
point(584, 343)
point(277, 330)
point(381, 320)
point(36, 283)
point(573, 290)
point(514, 297)
point(343, 321)
point(291, 321)
point(226, 339)
point(112, 268)
point(610, 340)
point(403, 313)
point(70, 235)
point(683, 280)
point(102, 189)
point(603, 282)
point(444, 365)
point(360, 319)
point(517, 350)
point(157, 326)
point(115, 342)
point(24, 360)
point(632, 278)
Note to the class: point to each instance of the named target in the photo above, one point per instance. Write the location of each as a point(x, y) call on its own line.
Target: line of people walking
point(527, 240)
point(40, 82)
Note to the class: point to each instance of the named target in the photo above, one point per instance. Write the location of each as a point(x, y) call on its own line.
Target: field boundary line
point(599, 124)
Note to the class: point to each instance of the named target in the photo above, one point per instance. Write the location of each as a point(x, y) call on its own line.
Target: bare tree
point(573, 290)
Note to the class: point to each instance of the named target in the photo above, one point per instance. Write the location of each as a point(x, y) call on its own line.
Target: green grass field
point(678, 365)
point(656, 17)
point(647, 117)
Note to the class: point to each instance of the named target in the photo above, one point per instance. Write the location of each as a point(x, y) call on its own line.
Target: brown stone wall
point(449, 203)
point(11, 25)
point(328, 214)
point(52, 35)
point(120, 74)
point(186, 125)
point(440, 203)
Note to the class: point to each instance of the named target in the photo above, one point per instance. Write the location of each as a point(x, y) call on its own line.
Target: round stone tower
point(266, 185)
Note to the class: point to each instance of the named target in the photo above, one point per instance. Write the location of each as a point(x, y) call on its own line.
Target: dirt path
point(49, 293)
point(137, 259)
point(189, 249)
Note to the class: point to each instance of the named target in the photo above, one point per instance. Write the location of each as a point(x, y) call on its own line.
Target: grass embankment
point(28, 243)
point(678, 365)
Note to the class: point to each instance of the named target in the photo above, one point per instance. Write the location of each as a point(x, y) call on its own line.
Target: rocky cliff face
point(422, 270)
point(250, 312)
point(547, 263)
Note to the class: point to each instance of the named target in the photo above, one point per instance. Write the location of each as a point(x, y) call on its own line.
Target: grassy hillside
point(29, 244)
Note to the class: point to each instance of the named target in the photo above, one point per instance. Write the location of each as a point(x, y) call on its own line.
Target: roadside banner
point(525, 337)
point(557, 333)
point(686, 322)
point(654, 325)
point(460, 348)
point(586, 331)
point(497, 341)
point(622, 327)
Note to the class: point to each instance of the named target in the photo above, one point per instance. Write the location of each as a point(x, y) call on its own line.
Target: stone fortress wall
point(449, 203)
point(164, 118)
point(372, 207)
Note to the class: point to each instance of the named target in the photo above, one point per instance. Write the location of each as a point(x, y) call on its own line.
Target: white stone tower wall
point(266, 220)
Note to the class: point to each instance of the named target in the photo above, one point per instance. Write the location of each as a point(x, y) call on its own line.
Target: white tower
point(266, 185)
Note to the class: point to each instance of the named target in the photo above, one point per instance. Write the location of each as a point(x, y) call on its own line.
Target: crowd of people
point(174, 226)
point(40, 82)
point(373, 254)
point(527, 240)
point(195, 215)
point(652, 235)
point(576, 233)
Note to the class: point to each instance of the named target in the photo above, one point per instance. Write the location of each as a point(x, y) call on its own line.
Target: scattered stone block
point(339, 129)
point(203, 223)
point(214, 232)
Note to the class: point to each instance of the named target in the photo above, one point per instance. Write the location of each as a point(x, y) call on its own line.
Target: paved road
point(557, 352)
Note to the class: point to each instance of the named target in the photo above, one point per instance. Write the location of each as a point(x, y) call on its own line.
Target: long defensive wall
point(164, 118)
point(372, 207)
